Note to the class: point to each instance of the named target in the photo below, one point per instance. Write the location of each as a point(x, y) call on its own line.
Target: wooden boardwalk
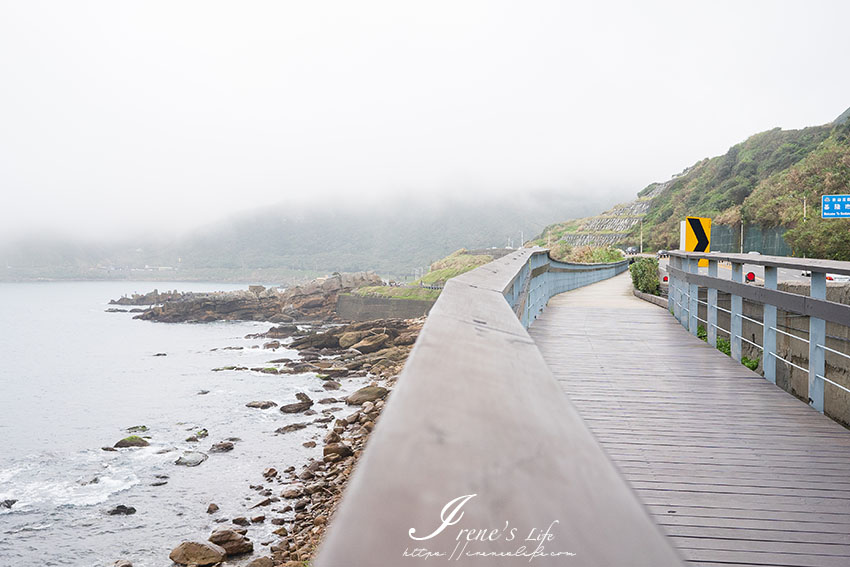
point(734, 470)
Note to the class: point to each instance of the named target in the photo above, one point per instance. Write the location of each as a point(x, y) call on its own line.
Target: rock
point(202, 433)
point(222, 447)
point(270, 473)
point(351, 338)
point(122, 563)
point(160, 354)
point(258, 519)
point(121, 510)
point(7, 503)
point(371, 343)
point(366, 394)
point(241, 521)
point(264, 502)
point(292, 493)
point(198, 553)
point(331, 385)
point(137, 429)
point(262, 562)
point(191, 439)
point(132, 441)
point(290, 428)
point(303, 404)
point(309, 444)
point(272, 345)
point(340, 449)
point(202, 392)
point(191, 459)
point(233, 542)
point(212, 508)
point(266, 404)
point(281, 332)
point(108, 449)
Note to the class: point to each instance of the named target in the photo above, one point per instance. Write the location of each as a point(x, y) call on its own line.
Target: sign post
point(695, 236)
point(835, 207)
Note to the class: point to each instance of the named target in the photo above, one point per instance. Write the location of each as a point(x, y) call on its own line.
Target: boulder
point(264, 404)
point(304, 402)
point(121, 510)
point(366, 394)
point(7, 503)
point(290, 428)
point(191, 459)
point(340, 449)
point(197, 553)
point(233, 542)
point(262, 562)
point(212, 508)
point(222, 447)
point(371, 343)
point(351, 338)
point(132, 441)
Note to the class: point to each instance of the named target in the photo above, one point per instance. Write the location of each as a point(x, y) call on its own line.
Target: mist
point(129, 119)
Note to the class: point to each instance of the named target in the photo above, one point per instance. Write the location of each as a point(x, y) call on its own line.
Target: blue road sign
point(835, 207)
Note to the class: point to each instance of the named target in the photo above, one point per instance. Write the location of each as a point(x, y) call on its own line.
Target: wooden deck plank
point(733, 469)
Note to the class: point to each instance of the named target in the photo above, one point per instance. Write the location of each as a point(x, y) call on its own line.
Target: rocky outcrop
point(152, 298)
point(314, 301)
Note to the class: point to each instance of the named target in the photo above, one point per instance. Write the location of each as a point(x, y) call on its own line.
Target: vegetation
point(453, 265)
point(406, 292)
point(724, 346)
point(644, 272)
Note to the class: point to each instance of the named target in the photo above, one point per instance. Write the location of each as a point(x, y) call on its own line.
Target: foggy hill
point(283, 243)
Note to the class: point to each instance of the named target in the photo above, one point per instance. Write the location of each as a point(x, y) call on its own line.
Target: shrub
point(751, 363)
point(644, 273)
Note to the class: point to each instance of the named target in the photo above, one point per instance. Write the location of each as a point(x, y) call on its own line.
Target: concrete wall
point(358, 308)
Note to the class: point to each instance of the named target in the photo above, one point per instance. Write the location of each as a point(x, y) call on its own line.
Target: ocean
point(74, 378)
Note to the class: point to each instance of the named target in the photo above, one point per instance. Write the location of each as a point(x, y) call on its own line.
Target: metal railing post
point(817, 339)
point(712, 306)
point(693, 296)
point(768, 361)
point(737, 310)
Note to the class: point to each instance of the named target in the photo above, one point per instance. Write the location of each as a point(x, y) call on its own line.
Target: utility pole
point(804, 209)
point(742, 235)
point(641, 236)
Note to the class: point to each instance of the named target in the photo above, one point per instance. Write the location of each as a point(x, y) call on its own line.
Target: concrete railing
point(684, 302)
point(479, 458)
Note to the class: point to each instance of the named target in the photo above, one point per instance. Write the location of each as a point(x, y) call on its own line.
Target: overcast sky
point(116, 116)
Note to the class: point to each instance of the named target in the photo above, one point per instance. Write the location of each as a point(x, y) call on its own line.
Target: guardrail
point(479, 455)
point(685, 281)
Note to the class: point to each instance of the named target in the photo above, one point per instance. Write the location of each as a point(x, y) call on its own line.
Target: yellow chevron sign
point(698, 236)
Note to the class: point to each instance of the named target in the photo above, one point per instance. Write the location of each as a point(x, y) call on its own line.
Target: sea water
point(74, 378)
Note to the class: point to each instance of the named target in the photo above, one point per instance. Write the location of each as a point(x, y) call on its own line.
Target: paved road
point(725, 272)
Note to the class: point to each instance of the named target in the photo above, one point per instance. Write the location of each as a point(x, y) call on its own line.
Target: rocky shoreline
point(312, 302)
point(299, 500)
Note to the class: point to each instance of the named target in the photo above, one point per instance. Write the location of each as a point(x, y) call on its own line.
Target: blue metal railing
point(684, 302)
point(542, 277)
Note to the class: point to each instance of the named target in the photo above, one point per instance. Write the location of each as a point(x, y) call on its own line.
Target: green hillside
point(762, 182)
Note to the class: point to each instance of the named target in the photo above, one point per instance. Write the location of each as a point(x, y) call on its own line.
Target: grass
point(409, 292)
point(724, 346)
point(453, 265)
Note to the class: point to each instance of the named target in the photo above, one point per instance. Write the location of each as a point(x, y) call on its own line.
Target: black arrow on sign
point(702, 239)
